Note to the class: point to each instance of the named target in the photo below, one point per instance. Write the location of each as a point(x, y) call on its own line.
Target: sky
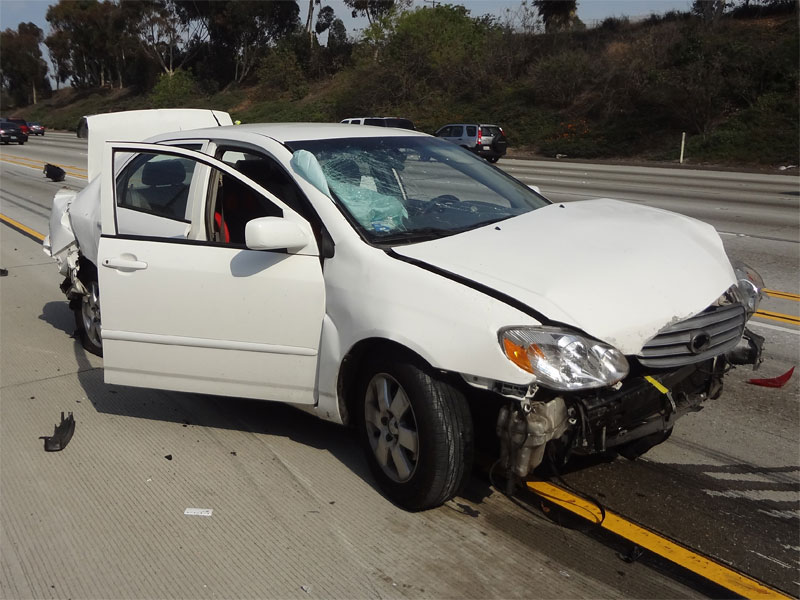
point(14, 12)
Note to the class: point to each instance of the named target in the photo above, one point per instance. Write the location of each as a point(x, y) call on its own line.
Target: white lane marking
point(775, 560)
point(744, 477)
point(198, 512)
point(775, 327)
point(758, 495)
point(781, 514)
point(790, 547)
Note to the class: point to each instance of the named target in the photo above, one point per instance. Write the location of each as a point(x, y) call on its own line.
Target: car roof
point(382, 118)
point(295, 132)
point(475, 124)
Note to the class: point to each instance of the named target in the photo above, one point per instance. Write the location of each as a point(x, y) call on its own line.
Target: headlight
point(563, 360)
point(750, 285)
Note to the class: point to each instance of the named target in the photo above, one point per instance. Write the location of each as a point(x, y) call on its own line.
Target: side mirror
point(535, 188)
point(273, 233)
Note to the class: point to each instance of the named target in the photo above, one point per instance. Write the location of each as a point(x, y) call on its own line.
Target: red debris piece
point(775, 382)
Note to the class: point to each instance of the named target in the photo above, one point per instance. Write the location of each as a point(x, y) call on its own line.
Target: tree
point(558, 15)
point(310, 19)
point(337, 36)
point(166, 30)
point(709, 10)
point(23, 72)
point(375, 10)
point(430, 52)
point(325, 19)
point(58, 47)
point(91, 41)
point(241, 32)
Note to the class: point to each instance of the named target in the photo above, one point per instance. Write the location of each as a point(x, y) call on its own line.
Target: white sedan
point(387, 279)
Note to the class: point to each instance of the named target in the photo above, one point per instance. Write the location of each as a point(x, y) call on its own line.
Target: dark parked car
point(36, 129)
point(23, 126)
point(487, 141)
point(10, 132)
point(381, 122)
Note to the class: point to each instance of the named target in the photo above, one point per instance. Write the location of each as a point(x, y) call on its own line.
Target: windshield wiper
point(417, 235)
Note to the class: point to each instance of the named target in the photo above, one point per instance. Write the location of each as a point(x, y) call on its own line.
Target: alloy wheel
point(391, 427)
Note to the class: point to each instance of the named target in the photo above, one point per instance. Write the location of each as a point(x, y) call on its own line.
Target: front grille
point(711, 333)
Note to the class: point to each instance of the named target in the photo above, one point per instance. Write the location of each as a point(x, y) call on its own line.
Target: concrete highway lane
point(726, 484)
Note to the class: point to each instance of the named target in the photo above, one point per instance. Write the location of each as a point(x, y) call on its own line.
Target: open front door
point(200, 312)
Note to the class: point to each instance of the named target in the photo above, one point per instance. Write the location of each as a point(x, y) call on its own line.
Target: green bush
point(173, 90)
point(560, 77)
point(280, 73)
point(764, 133)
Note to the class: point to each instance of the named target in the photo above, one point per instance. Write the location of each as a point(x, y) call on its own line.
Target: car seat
point(164, 191)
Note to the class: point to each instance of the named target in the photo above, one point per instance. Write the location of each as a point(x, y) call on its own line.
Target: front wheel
point(87, 313)
point(416, 430)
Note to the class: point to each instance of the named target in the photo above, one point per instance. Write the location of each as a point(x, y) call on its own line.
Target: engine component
point(524, 428)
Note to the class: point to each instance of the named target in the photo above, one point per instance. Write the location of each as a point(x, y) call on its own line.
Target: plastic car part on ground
point(53, 172)
point(774, 382)
point(62, 434)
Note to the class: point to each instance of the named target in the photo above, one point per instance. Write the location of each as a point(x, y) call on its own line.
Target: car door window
point(156, 184)
point(231, 205)
point(472, 131)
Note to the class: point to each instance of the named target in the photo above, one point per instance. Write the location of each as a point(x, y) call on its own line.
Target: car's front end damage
point(629, 318)
point(623, 404)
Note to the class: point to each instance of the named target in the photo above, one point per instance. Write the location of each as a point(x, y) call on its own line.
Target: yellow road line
point(39, 165)
point(23, 228)
point(734, 581)
point(768, 314)
point(783, 295)
point(36, 161)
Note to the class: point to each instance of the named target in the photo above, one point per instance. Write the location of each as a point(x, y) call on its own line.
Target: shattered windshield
point(408, 189)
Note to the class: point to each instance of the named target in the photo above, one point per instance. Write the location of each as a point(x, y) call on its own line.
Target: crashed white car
point(388, 279)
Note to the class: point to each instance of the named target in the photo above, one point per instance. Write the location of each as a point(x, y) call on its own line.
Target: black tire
point(20, 143)
point(87, 311)
point(492, 159)
point(425, 412)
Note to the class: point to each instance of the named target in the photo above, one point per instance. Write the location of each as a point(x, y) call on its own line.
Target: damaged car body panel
point(593, 265)
point(395, 282)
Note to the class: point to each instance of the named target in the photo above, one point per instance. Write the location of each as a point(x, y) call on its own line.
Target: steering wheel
point(438, 202)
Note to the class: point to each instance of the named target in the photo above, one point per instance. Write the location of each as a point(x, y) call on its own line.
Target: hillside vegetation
point(620, 90)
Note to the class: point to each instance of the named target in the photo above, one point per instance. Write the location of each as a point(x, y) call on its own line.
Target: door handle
point(124, 264)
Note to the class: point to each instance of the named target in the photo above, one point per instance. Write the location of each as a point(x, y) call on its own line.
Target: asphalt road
point(294, 505)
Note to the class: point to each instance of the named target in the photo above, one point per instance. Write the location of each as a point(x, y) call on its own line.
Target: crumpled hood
point(618, 271)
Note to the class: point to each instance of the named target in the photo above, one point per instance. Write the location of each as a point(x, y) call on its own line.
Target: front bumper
point(630, 418)
point(646, 404)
